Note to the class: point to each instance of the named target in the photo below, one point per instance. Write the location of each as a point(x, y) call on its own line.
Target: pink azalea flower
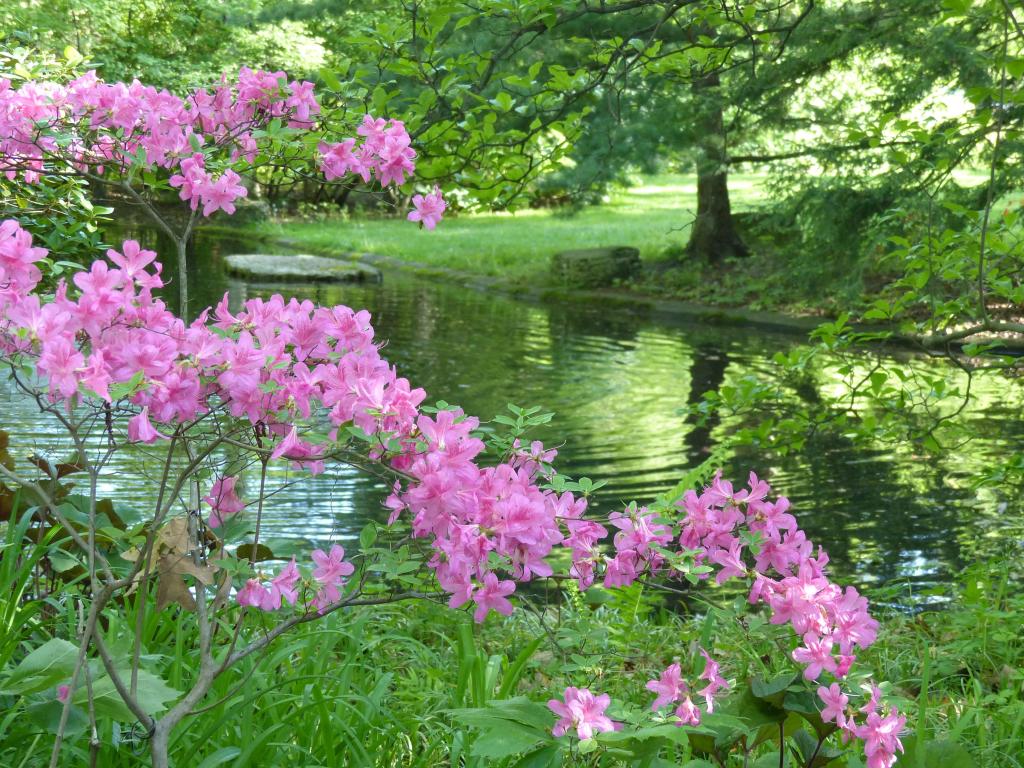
point(327, 595)
point(134, 259)
point(871, 705)
point(95, 377)
point(193, 179)
point(835, 704)
point(336, 160)
point(881, 738)
point(669, 687)
point(844, 664)
point(428, 209)
point(816, 653)
point(285, 584)
point(140, 429)
point(298, 451)
point(715, 681)
point(372, 128)
point(688, 712)
point(731, 562)
point(582, 711)
point(221, 194)
point(254, 595)
point(60, 363)
point(223, 500)
point(492, 596)
point(331, 569)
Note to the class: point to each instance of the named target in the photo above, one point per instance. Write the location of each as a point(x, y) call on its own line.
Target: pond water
point(616, 381)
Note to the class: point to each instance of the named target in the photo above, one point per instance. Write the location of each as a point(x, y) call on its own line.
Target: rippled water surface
point(616, 381)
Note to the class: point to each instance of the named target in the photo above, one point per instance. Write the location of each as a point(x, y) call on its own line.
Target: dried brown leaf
point(171, 588)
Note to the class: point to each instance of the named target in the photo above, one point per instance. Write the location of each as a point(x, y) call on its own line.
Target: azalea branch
point(89, 633)
point(83, 649)
point(259, 509)
point(305, 618)
point(143, 590)
point(342, 455)
point(127, 696)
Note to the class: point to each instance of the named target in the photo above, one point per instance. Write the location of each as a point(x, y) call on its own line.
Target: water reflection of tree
point(710, 362)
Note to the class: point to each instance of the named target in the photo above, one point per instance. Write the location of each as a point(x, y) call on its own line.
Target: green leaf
point(153, 693)
point(261, 553)
point(330, 79)
point(221, 756)
point(549, 756)
point(770, 760)
point(506, 739)
point(47, 715)
point(503, 101)
point(939, 753)
point(368, 535)
point(757, 712)
point(106, 700)
point(61, 561)
point(809, 745)
point(521, 710)
point(670, 731)
point(773, 691)
point(72, 56)
point(48, 665)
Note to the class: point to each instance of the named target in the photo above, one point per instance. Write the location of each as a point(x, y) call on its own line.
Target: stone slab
point(300, 267)
point(595, 267)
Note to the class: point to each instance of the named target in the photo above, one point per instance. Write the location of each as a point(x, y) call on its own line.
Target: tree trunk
point(158, 748)
point(710, 362)
point(713, 236)
point(182, 248)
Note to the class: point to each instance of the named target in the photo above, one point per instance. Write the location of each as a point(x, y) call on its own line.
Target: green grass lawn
point(653, 217)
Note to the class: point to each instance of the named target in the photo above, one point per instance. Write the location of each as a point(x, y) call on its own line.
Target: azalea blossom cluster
point(92, 125)
point(748, 536)
point(670, 688)
point(329, 576)
point(582, 711)
point(274, 365)
point(880, 730)
point(472, 513)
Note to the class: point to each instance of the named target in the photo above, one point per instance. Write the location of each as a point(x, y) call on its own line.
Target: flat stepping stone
point(300, 267)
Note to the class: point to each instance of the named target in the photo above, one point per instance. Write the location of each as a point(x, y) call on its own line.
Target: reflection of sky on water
point(616, 381)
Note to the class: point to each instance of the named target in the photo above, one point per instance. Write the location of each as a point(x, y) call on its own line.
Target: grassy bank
point(653, 216)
